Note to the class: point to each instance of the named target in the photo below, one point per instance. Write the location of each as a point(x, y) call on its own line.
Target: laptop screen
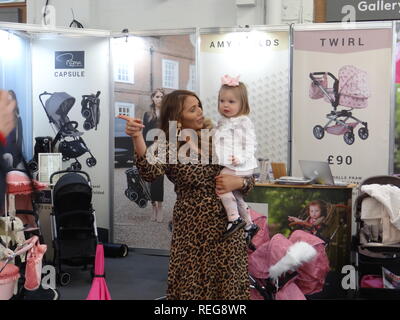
point(318, 171)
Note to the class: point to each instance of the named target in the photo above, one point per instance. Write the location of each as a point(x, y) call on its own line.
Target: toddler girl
point(235, 146)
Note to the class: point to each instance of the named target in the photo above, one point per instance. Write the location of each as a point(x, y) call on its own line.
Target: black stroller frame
point(137, 190)
point(73, 222)
point(66, 129)
point(337, 117)
point(91, 110)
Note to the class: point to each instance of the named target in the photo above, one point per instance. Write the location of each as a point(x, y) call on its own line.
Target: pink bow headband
point(230, 81)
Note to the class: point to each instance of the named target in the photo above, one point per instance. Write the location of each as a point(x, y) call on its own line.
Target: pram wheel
point(363, 133)
point(86, 113)
point(76, 166)
point(131, 195)
point(33, 166)
point(318, 132)
point(91, 162)
point(142, 203)
point(87, 125)
point(64, 278)
point(349, 137)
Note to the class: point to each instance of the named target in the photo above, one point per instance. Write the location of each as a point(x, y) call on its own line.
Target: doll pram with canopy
point(71, 145)
point(20, 234)
point(377, 240)
point(288, 269)
point(73, 222)
point(350, 91)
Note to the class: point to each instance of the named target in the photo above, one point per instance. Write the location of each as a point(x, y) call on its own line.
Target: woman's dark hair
point(172, 106)
point(153, 113)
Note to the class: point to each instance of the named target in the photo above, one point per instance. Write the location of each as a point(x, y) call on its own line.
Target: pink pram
point(350, 91)
point(288, 269)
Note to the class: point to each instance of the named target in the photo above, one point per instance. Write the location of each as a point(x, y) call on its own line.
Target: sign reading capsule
point(67, 60)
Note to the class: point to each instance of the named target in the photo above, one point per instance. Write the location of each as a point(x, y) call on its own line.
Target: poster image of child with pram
point(323, 213)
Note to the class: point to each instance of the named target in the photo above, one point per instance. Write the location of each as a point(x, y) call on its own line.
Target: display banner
point(361, 10)
point(145, 69)
point(396, 156)
point(15, 76)
point(261, 59)
point(342, 82)
point(71, 103)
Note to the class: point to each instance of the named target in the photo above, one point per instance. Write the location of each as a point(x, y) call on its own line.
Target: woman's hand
point(133, 126)
point(228, 183)
point(7, 114)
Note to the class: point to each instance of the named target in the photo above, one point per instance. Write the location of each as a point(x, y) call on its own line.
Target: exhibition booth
point(294, 77)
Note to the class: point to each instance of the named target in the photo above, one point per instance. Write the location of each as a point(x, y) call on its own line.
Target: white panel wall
point(116, 15)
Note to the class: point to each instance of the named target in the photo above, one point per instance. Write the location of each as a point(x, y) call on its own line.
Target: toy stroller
point(91, 111)
point(73, 222)
point(14, 228)
point(287, 269)
point(57, 107)
point(350, 91)
point(137, 190)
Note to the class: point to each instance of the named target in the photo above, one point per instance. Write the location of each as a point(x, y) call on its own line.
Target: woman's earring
point(178, 129)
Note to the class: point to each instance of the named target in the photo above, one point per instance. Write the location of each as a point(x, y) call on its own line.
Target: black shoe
point(233, 227)
point(250, 235)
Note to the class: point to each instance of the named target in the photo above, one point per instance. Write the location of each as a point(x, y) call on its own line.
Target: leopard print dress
point(202, 265)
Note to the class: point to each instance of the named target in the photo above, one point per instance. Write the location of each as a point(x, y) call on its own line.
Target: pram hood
point(311, 278)
point(278, 256)
point(18, 182)
point(353, 82)
point(72, 192)
point(58, 106)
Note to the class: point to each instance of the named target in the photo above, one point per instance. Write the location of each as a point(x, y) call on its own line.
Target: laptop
point(319, 172)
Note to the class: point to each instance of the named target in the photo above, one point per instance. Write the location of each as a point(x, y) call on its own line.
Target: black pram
point(91, 111)
point(73, 222)
point(137, 190)
point(71, 143)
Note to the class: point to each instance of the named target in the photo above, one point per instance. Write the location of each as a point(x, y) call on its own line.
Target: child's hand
point(234, 161)
point(133, 126)
point(293, 219)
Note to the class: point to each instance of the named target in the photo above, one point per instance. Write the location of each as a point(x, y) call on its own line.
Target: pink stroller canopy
point(353, 87)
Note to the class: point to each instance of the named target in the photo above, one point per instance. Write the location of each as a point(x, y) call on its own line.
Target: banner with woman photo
point(342, 99)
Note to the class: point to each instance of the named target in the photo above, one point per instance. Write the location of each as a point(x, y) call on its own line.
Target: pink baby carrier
point(287, 269)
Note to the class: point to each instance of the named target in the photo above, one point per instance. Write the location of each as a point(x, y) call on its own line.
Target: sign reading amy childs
point(342, 100)
point(357, 10)
point(67, 61)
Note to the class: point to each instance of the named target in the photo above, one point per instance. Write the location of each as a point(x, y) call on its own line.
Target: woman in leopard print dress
point(202, 265)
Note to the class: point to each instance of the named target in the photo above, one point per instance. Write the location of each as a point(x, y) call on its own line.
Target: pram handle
point(69, 171)
point(312, 74)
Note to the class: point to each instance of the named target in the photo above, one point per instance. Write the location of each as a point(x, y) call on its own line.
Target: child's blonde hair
point(241, 92)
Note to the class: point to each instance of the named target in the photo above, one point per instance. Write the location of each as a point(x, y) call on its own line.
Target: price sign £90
point(340, 160)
